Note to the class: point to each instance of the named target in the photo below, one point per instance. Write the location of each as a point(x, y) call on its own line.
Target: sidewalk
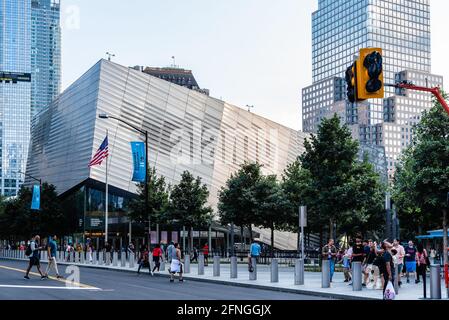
point(338, 290)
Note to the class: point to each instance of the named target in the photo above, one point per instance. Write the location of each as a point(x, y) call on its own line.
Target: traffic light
point(350, 81)
point(369, 74)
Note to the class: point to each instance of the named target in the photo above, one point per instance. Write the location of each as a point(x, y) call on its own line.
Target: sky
point(246, 52)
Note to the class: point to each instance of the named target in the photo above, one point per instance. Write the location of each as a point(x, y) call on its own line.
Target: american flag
point(101, 154)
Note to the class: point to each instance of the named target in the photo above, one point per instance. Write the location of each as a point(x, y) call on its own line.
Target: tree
point(187, 206)
point(272, 205)
point(421, 183)
point(158, 195)
point(329, 158)
point(237, 201)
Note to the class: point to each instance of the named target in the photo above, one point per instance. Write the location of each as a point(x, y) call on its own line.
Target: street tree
point(421, 182)
point(188, 204)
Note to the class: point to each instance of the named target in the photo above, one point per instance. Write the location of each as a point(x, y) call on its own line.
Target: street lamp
point(144, 132)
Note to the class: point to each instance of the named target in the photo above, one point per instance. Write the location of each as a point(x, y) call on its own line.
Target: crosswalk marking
point(45, 287)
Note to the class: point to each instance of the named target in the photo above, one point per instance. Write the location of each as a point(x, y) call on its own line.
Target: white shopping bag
point(390, 294)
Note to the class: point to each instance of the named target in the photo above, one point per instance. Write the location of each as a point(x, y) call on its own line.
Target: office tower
point(402, 30)
point(45, 53)
point(15, 92)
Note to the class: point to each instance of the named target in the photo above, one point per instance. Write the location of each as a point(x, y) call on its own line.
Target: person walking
point(170, 249)
point(144, 260)
point(329, 252)
point(422, 259)
point(176, 264)
point(206, 254)
point(157, 257)
point(400, 258)
point(195, 255)
point(385, 266)
point(369, 263)
point(52, 250)
point(33, 253)
point(347, 265)
point(254, 253)
point(410, 261)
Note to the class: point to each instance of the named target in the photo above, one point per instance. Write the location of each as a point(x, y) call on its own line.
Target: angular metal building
point(187, 131)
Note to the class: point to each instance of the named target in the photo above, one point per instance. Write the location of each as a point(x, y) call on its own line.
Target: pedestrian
point(157, 257)
point(195, 255)
point(329, 252)
point(254, 254)
point(52, 249)
point(400, 258)
point(422, 260)
point(69, 249)
point(347, 265)
point(369, 263)
point(385, 266)
point(144, 261)
point(170, 250)
point(176, 263)
point(206, 254)
point(33, 253)
point(410, 261)
point(89, 252)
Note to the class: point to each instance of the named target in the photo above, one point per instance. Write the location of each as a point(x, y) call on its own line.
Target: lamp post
point(144, 132)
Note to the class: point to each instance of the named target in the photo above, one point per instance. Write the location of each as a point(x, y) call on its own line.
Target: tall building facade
point(15, 92)
point(340, 29)
point(45, 53)
point(29, 79)
point(187, 131)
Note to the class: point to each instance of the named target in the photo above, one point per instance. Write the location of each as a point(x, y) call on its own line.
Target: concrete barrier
point(435, 282)
point(187, 263)
point(101, 258)
point(115, 259)
point(216, 266)
point(274, 270)
point(132, 260)
point(82, 257)
point(299, 272)
point(325, 274)
point(108, 258)
point(77, 257)
point(123, 259)
point(234, 268)
point(253, 274)
point(201, 264)
point(357, 276)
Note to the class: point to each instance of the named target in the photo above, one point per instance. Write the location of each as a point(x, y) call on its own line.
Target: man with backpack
point(33, 253)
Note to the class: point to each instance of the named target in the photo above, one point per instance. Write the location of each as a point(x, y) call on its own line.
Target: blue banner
point(139, 160)
point(36, 203)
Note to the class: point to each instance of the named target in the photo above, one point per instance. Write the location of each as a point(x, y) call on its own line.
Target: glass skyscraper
point(29, 79)
point(340, 28)
point(45, 53)
point(15, 96)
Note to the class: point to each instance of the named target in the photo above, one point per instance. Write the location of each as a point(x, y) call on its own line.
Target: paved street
point(113, 285)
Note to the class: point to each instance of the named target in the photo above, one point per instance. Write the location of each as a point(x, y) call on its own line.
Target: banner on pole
point(36, 202)
point(139, 161)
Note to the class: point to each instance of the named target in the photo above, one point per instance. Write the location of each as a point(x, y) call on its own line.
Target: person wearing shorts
point(34, 257)
point(410, 261)
point(176, 264)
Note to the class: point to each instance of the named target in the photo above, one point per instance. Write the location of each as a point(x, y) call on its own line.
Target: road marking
point(67, 282)
point(45, 287)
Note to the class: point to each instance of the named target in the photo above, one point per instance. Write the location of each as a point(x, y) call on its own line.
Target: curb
point(227, 283)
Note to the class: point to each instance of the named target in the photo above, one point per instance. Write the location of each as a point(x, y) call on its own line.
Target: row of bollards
point(105, 258)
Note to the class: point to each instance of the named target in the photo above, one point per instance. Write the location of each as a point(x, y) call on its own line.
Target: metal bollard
point(94, 257)
point(77, 257)
point(115, 259)
point(131, 260)
point(253, 275)
point(101, 258)
point(22, 254)
point(274, 270)
point(356, 276)
point(123, 259)
point(435, 282)
point(108, 258)
point(325, 274)
point(201, 265)
point(83, 259)
point(162, 266)
point(234, 268)
point(216, 266)
point(299, 272)
point(187, 263)
point(396, 279)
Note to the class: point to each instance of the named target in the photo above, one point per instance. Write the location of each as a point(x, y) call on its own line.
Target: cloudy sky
point(247, 52)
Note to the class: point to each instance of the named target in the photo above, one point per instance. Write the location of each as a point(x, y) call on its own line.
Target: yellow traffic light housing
point(369, 74)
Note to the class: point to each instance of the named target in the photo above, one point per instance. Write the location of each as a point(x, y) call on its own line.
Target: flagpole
point(106, 222)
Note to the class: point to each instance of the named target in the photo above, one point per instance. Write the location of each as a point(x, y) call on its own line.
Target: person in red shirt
point(206, 254)
point(157, 256)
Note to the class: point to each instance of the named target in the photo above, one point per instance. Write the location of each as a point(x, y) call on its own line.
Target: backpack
point(28, 251)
